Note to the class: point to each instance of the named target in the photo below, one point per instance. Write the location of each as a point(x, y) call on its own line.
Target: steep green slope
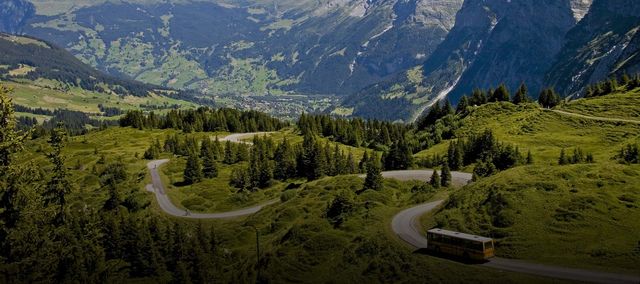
point(30, 58)
point(297, 241)
point(622, 105)
point(580, 215)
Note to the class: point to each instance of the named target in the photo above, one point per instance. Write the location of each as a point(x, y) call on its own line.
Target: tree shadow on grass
point(463, 260)
point(180, 184)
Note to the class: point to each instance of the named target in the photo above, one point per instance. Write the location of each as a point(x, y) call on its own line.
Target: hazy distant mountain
point(390, 59)
point(250, 46)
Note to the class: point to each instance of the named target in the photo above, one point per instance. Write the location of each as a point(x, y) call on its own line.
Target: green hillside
point(298, 243)
point(578, 215)
point(47, 77)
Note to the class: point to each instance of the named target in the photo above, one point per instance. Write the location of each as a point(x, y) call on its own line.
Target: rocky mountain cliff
point(493, 41)
point(605, 43)
point(14, 14)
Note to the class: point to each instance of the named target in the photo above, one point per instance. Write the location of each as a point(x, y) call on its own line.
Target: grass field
point(297, 241)
point(622, 105)
point(545, 133)
point(298, 244)
point(576, 215)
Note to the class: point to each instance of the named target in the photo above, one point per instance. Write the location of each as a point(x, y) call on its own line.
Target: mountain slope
point(492, 42)
point(14, 14)
point(250, 46)
point(46, 76)
point(605, 43)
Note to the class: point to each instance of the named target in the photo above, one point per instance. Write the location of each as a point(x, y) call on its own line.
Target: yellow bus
point(457, 244)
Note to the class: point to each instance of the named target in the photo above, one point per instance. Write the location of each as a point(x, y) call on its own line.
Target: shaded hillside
point(491, 42)
point(29, 58)
point(14, 14)
point(605, 43)
point(251, 47)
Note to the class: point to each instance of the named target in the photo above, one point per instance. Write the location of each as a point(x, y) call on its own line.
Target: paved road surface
point(240, 137)
point(407, 226)
point(596, 117)
point(167, 206)
point(458, 178)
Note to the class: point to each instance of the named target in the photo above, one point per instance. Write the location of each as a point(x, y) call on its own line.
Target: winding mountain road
point(157, 187)
point(240, 137)
point(406, 226)
point(168, 207)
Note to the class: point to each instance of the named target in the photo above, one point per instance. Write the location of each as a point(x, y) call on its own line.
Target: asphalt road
point(406, 226)
point(157, 187)
point(167, 206)
point(240, 137)
point(458, 178)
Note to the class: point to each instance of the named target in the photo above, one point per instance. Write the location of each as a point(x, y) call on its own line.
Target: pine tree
point(373, 179)
point(193, 169)
point(447, 108)
point(10, 139)
point(58, 186)
point(549, 98)
point(362, 165)
point(11, 142)
point(229, 154)
point(529, 158)
point(113, 175)
point(242, 153)
point(217, 149)
point(484, 168)
point(154, 150)
point(462, 106)
point(521, 95)
point(445, 180)
point(455, 159)
point(352, 168)
point(285, 161)
point(478, 98)
point(207, 154)
point(435, 180)
point(314, 163)
point(563, 160)
point(501, 94)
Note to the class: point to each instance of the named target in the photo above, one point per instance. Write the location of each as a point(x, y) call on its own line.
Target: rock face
point(391, 36)
point(605, 43)
point(492, 42)
point(580, 8)
point(14, 14)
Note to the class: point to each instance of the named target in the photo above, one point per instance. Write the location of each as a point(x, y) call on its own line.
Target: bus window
point(488, 245)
